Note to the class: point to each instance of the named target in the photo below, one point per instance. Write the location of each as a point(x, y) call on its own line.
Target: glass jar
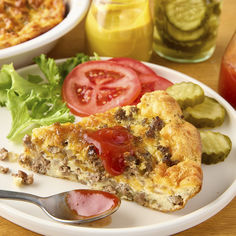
point(120, 28)
point(186, 30)
point(227, 80)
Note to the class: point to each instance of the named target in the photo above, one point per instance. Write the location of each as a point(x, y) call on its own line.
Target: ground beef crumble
point(96, 161)
point(166, 156)
point(22, 178)
point(64, 169)
point(28, 142)
point(54, 150)
point(156, 125)
point(138, 163)
point(4, 170)
point(176, 200)
point(3, 154)
point(39, 165)
point(24, 159)
point(120, 115)
point(92, 151)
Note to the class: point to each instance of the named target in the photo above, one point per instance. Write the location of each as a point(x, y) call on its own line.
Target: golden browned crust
point(168, 172)
point(22, 20)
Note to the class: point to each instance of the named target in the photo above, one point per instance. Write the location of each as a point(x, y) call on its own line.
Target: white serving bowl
point(22, 54)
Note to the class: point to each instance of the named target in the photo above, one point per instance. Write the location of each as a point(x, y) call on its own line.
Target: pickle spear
point(209, 113)
point(215, 147)
point(186, 94)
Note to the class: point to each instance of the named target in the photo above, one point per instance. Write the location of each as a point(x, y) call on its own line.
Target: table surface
point(223, 223)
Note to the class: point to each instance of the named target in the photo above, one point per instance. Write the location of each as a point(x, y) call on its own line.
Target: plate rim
point(182, 222)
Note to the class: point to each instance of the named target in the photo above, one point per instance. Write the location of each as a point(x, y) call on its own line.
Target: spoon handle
point(20, 196)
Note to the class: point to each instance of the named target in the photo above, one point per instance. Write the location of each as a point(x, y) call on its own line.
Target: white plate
point(219, 188)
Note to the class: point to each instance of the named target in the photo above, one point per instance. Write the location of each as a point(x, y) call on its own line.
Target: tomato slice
point(97, 86)
point(151, 83)
point(149, 80)
point(138, 66)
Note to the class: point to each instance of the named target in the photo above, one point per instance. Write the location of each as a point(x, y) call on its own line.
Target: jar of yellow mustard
point(120, 28)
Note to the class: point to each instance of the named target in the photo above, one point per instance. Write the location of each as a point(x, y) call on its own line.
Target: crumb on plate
point(3, 154)
point(21, 178)
point(4, 170)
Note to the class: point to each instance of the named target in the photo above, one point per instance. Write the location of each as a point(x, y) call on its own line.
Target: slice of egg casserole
point(159, 154)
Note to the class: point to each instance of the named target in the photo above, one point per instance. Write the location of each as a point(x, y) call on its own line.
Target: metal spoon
point(56, 206)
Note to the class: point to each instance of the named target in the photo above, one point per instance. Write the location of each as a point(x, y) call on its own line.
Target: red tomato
point(150, 81)
point(138, 66)
point(97, 86)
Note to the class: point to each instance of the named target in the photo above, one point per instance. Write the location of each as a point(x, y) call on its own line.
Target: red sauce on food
point(111, 144)
point(88, 203)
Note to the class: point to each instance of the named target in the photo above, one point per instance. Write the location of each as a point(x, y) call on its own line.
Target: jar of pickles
point(120, 28)
point(186, 30)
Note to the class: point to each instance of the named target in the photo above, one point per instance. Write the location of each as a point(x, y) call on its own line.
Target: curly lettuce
point(36, 100)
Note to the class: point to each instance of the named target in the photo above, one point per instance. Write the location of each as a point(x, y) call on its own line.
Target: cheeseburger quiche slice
point(22, 20)
point(145, 153)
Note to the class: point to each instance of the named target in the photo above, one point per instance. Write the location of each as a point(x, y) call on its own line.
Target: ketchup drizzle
point(111, 144)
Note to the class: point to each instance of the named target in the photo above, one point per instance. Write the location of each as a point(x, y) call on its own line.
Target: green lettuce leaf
point(36, 101)
point(32, 102)
point(43, 112)
point(49, 68)
point(20, 85)
point(5, 83)
point(66, 67)
point(36, 79)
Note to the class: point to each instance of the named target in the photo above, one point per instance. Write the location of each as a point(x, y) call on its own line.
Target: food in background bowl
point(23, 20)
point(23, 53)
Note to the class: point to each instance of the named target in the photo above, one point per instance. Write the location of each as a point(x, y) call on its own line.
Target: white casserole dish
point(22, 54)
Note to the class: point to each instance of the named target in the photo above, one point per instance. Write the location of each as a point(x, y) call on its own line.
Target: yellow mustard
point(120, 28)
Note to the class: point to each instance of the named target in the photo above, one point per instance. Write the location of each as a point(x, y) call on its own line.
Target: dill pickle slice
point(193, 46)
point(209, 113)
point(186, 15)
point(186, 94)
point(185, 36)
point(215, 147)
